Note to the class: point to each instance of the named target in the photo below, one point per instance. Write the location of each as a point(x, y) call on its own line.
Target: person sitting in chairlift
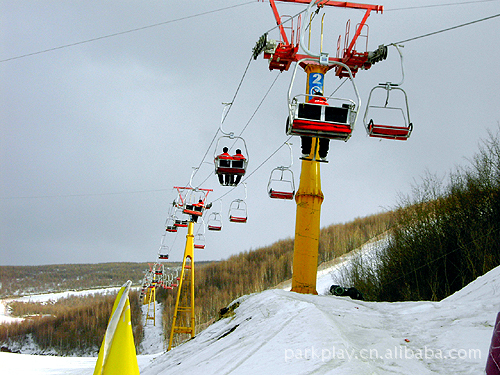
point(318, 98)
point(225, 162)
point(306, 142)
point(238, 162)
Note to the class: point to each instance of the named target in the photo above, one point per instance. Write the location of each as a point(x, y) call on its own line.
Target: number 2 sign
point(316, 83)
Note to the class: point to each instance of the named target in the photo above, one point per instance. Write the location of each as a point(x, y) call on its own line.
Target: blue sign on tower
point(316, 83)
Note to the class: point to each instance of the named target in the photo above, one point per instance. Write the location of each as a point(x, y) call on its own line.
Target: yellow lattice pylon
point(183, 319)
point(151, 301)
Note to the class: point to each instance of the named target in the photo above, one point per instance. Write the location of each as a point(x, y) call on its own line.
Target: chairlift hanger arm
point(342, 4)
point(278, 21)
point(287, 50)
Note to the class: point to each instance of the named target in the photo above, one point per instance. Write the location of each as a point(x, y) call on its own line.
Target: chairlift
point(168, 281)
point(199, 241)
point(191, 199)
point(390, 120)
point(158, 269)
point(174, 278)
point(322, 116)
point(195, 202)
point(180, 223)
point(238, 210)
point(214, 221)
point(230, 168)
point(199, 237)
point(281, 182)
point(170, 225)
point(163, 252)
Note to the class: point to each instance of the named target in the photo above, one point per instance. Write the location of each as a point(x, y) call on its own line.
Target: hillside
point(26, 280)
point(280, 332)
point(23, 280)
point(287, 333)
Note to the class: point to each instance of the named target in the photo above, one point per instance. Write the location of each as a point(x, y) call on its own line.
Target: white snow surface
point(280, 332)
point(153, 341)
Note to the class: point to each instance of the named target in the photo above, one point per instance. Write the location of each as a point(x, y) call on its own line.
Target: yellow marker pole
point(309, 198)
point(188, 254)
point(117, 355)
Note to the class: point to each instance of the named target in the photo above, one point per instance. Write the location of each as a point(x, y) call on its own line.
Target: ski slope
point(280, 332)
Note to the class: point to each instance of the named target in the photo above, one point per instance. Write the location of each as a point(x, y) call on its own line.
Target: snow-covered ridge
point(280, 332)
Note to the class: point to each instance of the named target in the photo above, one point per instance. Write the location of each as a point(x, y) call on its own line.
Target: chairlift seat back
point(324, 121)
point(181, 223)
point(237, 219)
point(389, 131)
point(281, 194)
point(193, 209)
point(230, 166)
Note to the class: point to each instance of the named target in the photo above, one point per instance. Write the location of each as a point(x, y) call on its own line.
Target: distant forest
point(26, 280)
point(23, 280)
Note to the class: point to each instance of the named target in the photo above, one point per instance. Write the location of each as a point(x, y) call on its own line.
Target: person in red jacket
point(224, 161)
point(238, 162)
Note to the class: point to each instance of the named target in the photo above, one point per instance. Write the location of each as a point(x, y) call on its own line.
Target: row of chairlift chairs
point(334, 117)
point(323, 117)
point(158, 277)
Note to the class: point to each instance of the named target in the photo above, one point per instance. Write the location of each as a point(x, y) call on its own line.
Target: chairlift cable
point(238, 88)
point(284, 22)
point(447, 29)
point(124, 32)
point(439, 5)
point(258, 107)
point(266, 160)
point(244, 128)
point(339, 86)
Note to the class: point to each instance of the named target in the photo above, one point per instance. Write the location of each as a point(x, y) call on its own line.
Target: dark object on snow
point(228, 311)
point(352, 292)
point(493, 362)
point(5, 349)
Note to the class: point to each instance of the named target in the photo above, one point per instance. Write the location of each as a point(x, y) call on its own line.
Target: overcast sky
point(95, 135)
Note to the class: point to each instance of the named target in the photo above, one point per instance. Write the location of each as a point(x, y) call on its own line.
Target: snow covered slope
point(279, 332)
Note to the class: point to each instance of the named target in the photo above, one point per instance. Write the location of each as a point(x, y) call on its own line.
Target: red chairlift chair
point(390, 120)
point(322, 116)
point(230, 168)
point(238, 211)
point(214, 222)
point(281, 183)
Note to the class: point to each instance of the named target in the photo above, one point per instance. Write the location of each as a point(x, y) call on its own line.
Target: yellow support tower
point(151, 300)
point(309, 198)
point(183, 320)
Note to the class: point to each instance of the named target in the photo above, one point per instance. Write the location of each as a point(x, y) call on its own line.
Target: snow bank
point(287, 333)
point(279, 332)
